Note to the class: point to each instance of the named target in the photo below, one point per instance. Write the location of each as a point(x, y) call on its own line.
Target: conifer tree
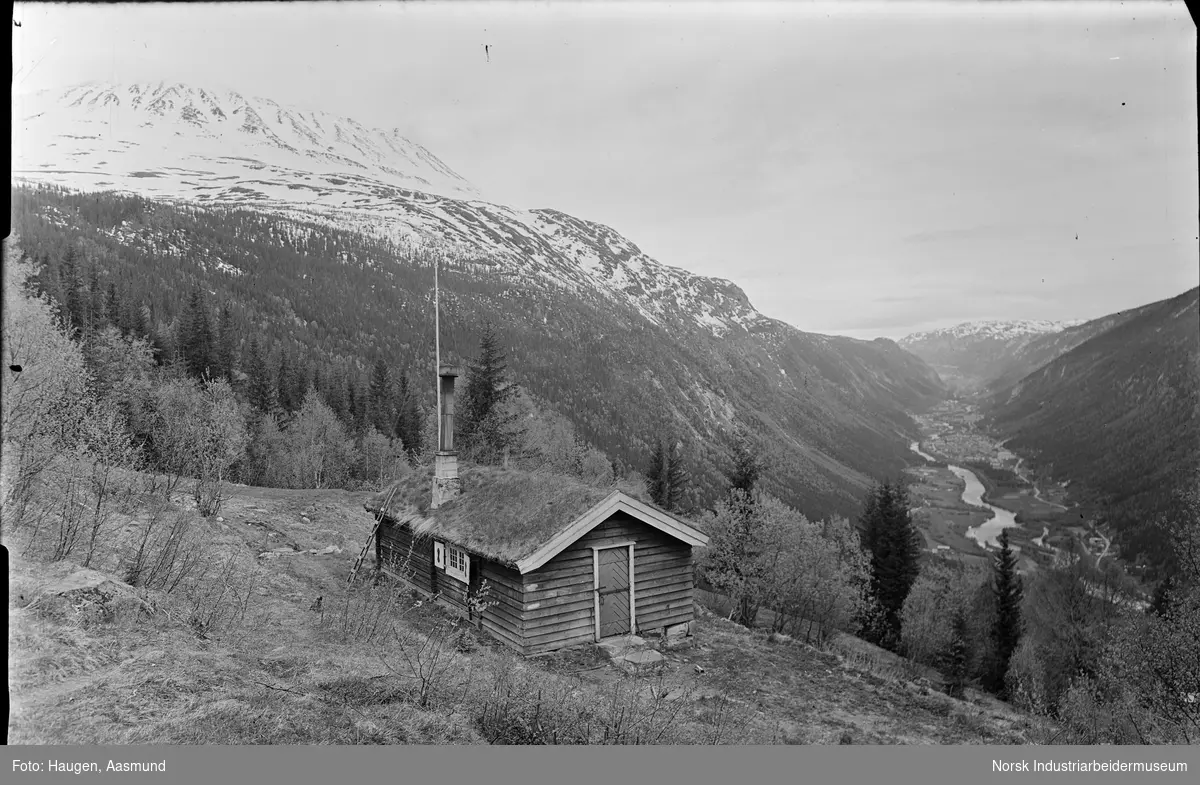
point(958, 658)
point(379, 398)
point(408, 418)
point(285, 381)
point(261, 388)
point(1006, 629)
point(112, 307)
point(667, 478)
point(1160, 601)
point(487, 428)
point(746, 465)
point(75, 312)
point(894, 545)
point(335, 393)
point(48, 282)
point(356, 403)
point(161, 340)
point(97, 313)
point(317, 382)
point(139, 321)
point(225, 350)
point(195, 337)
point(301, 378)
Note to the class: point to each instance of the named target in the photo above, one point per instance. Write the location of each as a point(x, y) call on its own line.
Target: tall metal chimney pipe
point(446, 484)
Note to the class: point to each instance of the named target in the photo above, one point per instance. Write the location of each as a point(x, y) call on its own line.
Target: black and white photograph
point(603, 373)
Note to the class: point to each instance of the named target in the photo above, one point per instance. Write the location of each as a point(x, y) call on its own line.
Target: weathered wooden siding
point(503, 617)
point(559, 601)
point(554, 606)
point(406, 557)
point(450, 589)
point(664, 581)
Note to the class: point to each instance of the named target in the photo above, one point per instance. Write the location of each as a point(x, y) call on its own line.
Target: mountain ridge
point(983, 356)
point(624, 345)
point(260, 124)
point(1133, 381)
point(532, 241)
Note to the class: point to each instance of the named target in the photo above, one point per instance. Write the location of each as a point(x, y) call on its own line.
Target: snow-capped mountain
point(215, 144)
point(181, 143)
point(636, 344)
point(972, 354)
point(1002, 330)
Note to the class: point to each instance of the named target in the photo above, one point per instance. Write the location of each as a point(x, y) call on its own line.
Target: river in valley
point(987, 532)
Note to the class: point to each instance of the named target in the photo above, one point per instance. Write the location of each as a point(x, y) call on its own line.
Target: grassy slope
point(292, 675)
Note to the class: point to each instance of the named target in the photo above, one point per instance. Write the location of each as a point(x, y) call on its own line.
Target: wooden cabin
point(554, 562)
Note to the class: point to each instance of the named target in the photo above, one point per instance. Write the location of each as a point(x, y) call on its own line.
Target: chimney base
point(444, 490)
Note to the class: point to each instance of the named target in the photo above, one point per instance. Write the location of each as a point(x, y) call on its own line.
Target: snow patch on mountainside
point(218, 148)
point(203, 139)
point(994, 329)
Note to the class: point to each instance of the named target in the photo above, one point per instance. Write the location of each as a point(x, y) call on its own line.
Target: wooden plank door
point(612, 591)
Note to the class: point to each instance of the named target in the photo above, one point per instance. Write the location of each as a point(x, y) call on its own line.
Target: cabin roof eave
point(426, 526)
point(617, 501)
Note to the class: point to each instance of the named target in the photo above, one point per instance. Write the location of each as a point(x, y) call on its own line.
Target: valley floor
point(950, 432)
point(289, 670)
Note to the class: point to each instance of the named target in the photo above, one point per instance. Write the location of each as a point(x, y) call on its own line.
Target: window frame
point(453, 559)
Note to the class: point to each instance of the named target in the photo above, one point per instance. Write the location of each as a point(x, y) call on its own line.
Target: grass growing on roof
point(502, 514)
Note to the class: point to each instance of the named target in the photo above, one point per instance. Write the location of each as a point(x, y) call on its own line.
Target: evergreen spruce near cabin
point(539, 561)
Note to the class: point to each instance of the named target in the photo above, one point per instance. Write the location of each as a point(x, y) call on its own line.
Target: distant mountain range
point(972, 355)
point(256, 202)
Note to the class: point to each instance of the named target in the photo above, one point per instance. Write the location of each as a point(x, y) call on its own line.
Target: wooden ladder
point(362, 555)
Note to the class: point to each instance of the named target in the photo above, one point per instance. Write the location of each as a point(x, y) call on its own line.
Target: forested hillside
point(292, 304)
point(1030, 356)
point(1118, 417)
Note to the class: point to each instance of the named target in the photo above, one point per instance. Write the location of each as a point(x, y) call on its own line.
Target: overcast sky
point(856, 169)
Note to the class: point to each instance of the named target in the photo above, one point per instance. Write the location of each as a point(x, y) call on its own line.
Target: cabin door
point(613, 568)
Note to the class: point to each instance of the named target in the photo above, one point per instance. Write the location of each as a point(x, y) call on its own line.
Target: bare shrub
point(222, 441)
point(524, 707)
point(941, 591)
point(109, 456)
point(198, 432)
point(381, 460)
point(765, 555)
point(1092, 712)
point(218, 594)
point(364, 614)
point(69, 505)
point(167, 550)
point(319, 453)
point(428, 658)
point(44, 403)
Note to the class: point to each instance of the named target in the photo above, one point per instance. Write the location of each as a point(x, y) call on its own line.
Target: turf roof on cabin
point(501, 514)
